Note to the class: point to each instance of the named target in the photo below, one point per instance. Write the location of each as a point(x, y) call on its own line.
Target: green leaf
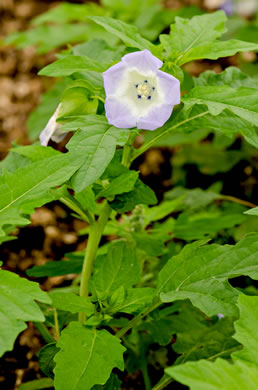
point(119, 267)
point(28, 187)
point(121, 184)
point(46, 359)
point(218, 49)
point(204, 375)
point(71, 302)
point(37, 384)
point(253, 211)
point(69, 65)
point(136, 299)
point(17, 305)
point(46, 38)
point(240, 101)
point(57, 268)
point(201, 273)
point(96, 146)
point(96, 353)
point(232, 76)
point(49, 102)
point(192, 199)
point(77, 100)
point(246, 328)
point(141, 194)
point(148, 243)
point(187, 34)
point(126, 32)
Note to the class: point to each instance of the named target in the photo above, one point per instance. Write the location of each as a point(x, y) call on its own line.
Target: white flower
point(51, 131)
point(138, 94)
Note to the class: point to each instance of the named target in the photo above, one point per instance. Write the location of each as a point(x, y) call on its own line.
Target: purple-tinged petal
point(112, 77)
point(170, 86)
point(228, 7)
point(155, 118)
point(143, 61)
point(119, 114)
point(51, 131)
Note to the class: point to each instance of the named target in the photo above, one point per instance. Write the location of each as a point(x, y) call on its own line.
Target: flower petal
point(155, 118)
point(51, 128)
point(143, 61)
point(170, 86)
point(119, 114)
point(113, 76)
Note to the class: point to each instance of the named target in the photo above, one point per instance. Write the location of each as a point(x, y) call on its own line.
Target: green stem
point(236, 200)
point(137, 319)
point(95, 233)
point(147, 145)
point(57, 330)
point(43, 330)
point(163, 383)
point(146, 378)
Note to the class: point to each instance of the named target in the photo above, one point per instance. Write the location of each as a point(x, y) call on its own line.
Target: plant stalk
point(43, 330)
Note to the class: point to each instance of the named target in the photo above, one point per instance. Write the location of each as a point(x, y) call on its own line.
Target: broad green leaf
point(28, 187)
point(36, 152)
point(240, 101)
point(161, 211)
point(100, 51)
point(119, 267)
point(136, 299)
point(148, 243)
point(12, 162)
point(67, 12)
point(206, 223)
point(96, 353)
point(46, 38)
point(71, 302)
point(218, 49)
point(86, 198)
point(141, 194)
point(46, 359)
point(69, 65)
point(37, 384)
point(96, 147)
point(192, 199)
point(121, 184)
point(232, 76)
point(187, 34)
point(17, 305)
point(126, 32)
point(204, 375)
point(201, 273)
point(246, 330)
point(253, 211)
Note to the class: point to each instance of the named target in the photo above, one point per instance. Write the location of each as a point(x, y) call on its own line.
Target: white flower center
point(144, 90)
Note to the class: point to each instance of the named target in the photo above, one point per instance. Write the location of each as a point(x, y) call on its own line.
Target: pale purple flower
point(138, 94)
point(51, 131)
point(228, 7)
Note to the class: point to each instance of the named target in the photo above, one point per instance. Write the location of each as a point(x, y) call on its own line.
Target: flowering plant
point(151, 289)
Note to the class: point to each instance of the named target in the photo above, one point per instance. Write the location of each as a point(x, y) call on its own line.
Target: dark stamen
point(137, 85)
point(145, 81)
point(153, 88)
point(149, 97)
point(139, 96)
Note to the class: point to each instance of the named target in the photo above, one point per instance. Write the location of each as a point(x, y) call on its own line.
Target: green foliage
point(200, 273)
point(17, 306)
point(46, 359)
point(96, 352)
point(243, 374)
point(37, 384)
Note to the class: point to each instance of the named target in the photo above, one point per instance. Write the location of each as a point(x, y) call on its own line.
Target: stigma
point(144, 90)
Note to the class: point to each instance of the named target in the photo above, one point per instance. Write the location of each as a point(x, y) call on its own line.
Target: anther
point(145, 81)
point(149, 97)
point(139, 96)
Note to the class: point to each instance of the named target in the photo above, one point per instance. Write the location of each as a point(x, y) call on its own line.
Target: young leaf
point(119, 267)
point(200, 273)
point(95, 146)
point(141, 194)
point(253, 211)
point(136, 300)
point(126, 32)
point(96, 353)
point(121, 184)
point(57, 268)
point(17, 305)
